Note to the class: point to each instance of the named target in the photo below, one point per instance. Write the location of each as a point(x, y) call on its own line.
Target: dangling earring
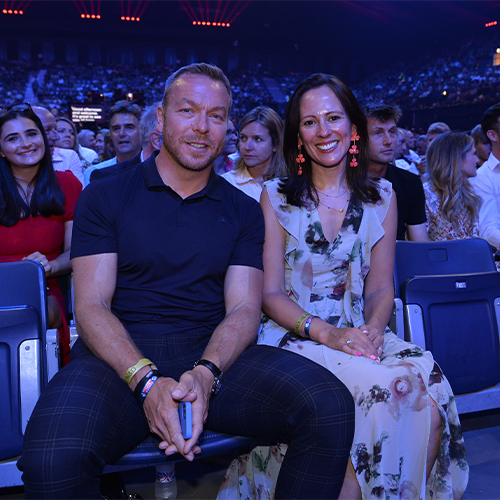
point(354, 149)
point(300, 159)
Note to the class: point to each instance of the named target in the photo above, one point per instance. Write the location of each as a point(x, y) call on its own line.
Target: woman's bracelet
point(299, 322)
point(145, 384)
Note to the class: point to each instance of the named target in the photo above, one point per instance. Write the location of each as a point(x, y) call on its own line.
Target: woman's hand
point(362, 341)
point(43, 260)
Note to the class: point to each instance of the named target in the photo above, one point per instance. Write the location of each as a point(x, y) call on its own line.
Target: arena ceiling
point(369, 30)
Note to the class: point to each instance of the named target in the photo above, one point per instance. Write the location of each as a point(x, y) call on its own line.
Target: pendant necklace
point(341, 210)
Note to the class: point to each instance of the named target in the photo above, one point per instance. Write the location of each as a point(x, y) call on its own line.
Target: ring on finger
point(349, 342)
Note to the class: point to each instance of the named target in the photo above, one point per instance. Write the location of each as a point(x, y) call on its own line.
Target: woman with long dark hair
point(328, 295)
point(36, 206)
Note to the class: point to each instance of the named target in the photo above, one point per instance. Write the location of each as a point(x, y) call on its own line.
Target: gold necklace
point(341, 210)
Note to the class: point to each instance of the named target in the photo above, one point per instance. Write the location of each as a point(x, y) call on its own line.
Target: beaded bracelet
point(299, 322)
point(145, 384)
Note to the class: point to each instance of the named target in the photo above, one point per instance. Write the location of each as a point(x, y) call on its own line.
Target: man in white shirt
point(62, 159)
point(487, 182)
point(124, 128)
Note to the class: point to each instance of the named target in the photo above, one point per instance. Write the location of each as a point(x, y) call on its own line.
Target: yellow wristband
point(300, 321)
point(129, 375)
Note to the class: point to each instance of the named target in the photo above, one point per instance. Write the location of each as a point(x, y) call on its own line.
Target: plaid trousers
point(87, 417)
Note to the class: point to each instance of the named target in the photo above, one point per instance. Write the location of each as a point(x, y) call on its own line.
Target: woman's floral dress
point(391, 397)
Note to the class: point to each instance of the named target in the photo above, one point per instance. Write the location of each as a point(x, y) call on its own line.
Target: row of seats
point(447, 301)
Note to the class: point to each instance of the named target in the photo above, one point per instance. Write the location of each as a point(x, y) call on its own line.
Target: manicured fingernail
point(373, 357)
point(170, 452)
point(365, 331)
point(358, 354)
point(176, 393)
point(378, 359)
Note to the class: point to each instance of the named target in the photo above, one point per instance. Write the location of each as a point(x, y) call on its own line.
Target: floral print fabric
point(392, 404)
point(441, 229)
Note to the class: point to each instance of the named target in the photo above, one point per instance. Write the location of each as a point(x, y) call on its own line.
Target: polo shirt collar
point(152, 179)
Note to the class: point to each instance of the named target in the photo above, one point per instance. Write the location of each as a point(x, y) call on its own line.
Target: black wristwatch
point(216, 371)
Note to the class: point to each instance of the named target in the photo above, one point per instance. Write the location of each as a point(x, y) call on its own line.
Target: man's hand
point(161, 409)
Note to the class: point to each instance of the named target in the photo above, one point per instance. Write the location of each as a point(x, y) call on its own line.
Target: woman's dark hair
point(47, 198)
point(298, 188)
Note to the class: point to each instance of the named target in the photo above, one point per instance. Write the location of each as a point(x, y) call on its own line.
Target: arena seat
point(450, 296)
point(28, 356)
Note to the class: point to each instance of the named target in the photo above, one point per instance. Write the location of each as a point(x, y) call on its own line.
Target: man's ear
point(492, 135)
point(155, 138)
point(159, 118)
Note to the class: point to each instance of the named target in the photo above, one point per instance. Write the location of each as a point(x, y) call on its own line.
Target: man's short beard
point(174, 154)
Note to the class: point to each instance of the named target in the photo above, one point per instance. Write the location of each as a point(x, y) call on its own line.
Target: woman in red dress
point(36, 207)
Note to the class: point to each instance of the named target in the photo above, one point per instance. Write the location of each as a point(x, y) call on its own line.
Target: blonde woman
point(261, 151)
point(450, 202)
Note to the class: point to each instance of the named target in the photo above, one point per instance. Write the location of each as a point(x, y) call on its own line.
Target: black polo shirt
point(173, 254)
point(410, 198)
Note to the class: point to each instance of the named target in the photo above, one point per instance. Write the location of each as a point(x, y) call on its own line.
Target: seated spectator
point(402, 152)
point(421, 145)
point(435, 130)
point(382, 133)
point(86, 138)
point(68, 139)
point(482, 144)
point(223, 163)
point(487, 182)
point(124, 127)
point(100, 145)
point(261, 156)
point(36, 207)
point(62, 159)
point(451, 204)
point(151, 141)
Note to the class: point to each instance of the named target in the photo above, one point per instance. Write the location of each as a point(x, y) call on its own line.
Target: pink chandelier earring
point(354, 149)
point(300, 159)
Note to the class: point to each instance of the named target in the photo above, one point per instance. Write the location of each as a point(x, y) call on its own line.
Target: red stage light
point(137, 18)
point(10, 12)
point(15, 12)
point(82, 16)
point(21, 12)
point(127, 18)
point(228, 24)
point(194, 23)
point(123, 18)
point(98, 16)
point(4, 11)
point(132, 18)
point(224, 24)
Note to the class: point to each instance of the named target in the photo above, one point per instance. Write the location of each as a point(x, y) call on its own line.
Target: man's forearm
point(236, 332)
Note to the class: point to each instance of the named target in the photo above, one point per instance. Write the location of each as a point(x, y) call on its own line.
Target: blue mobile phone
point(186, 419)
